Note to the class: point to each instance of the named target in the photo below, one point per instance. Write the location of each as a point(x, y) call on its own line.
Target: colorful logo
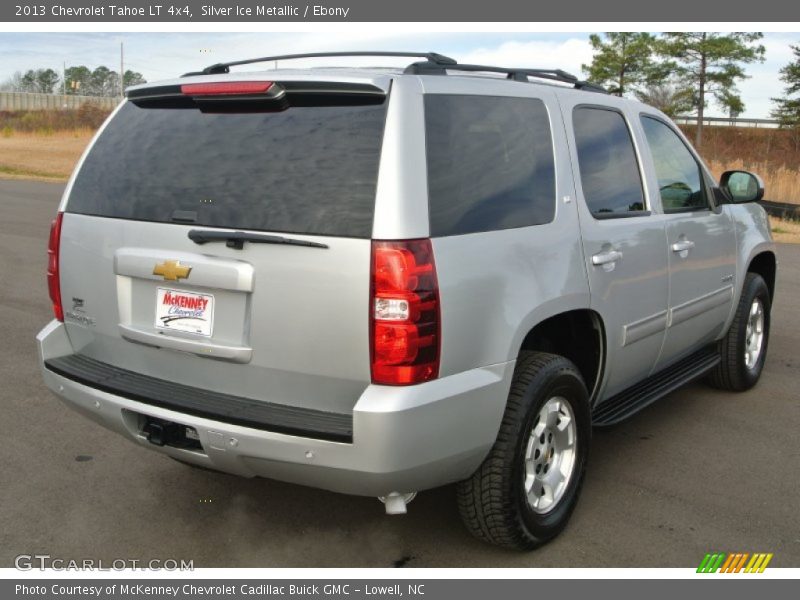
point(719, 562)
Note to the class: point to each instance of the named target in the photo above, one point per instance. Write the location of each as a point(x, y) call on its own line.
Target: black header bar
point(450, 11)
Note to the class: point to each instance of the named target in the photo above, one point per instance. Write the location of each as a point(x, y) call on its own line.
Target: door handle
point(682, 246)
point(606, 257)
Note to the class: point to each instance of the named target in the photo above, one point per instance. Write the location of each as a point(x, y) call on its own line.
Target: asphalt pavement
point(702, 470)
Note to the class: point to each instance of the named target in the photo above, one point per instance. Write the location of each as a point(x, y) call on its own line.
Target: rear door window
point(490, 163)
point(310, 169)
point(610, 177)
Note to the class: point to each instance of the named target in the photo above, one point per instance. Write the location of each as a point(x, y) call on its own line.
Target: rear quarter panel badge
point(78, 314)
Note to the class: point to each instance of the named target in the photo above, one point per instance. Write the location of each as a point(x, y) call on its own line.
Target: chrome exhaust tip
point(396, 502)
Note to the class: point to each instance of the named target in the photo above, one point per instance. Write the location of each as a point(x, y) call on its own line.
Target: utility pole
point(64, 83)
point(121, 71)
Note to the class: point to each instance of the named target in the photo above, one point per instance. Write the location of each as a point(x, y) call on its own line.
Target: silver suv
point(380, 281)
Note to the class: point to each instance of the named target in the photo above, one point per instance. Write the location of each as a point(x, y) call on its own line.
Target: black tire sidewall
point(756, 288)
point(565, 382)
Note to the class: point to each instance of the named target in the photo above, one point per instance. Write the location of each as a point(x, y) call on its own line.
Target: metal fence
point(729, 122)
point(784, 210)
point(28, 101)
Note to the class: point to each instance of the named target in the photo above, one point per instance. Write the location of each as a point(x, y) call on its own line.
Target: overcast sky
point(165, 55)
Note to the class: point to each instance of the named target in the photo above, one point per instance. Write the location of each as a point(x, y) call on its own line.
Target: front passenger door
point(701, 245)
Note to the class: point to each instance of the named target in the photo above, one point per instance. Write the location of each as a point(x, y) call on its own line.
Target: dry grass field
point(46, 144)
point(785, 231)
point(49, 157)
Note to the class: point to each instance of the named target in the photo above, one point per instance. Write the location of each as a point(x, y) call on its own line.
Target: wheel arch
point(765, 264)
point(578, 335)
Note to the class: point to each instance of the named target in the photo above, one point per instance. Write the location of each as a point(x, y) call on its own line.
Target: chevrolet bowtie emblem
point(172, 270)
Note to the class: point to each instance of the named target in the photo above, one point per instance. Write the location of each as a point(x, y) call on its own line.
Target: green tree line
point(787, 108)
point(685, 72)
point(79, 80)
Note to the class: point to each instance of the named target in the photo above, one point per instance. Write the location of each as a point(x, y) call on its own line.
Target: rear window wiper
point(236, 239)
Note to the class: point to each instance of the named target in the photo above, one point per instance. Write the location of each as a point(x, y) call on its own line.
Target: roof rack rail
point(219, 68)
point(515, 73)
point(434, 64)
point(588, 86)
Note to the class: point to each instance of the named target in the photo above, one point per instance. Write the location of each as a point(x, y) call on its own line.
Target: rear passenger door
point(624, 242)
point(701, 243)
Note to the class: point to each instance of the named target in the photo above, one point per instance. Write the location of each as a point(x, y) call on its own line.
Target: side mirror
point(742, 186)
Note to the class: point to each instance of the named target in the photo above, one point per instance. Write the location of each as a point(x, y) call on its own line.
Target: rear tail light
point(404, 313)
point(53, 282)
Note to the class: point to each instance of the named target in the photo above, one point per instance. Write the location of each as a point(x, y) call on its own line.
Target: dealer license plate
point(178, 310)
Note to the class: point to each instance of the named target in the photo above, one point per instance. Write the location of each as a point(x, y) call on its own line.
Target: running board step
point(655, 387)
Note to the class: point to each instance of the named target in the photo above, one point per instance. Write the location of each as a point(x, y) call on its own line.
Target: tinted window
point(680, 180)
point(490, 163)
point(306, 170)
point(610, 174)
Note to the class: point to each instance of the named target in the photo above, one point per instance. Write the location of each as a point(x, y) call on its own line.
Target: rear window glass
point(309, 170)
point(490, 163)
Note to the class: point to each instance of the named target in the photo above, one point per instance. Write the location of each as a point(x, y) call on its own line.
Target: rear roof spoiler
point(280, 95)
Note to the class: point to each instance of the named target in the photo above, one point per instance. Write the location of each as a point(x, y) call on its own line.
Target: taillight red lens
point(53, 281)
point(404, 313)
point(226, 88)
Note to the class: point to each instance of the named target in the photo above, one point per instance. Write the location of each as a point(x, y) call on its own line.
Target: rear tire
point(524, 492)
point(743, 350)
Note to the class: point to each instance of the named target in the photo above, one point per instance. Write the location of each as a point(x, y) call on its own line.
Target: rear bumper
point(404, 439)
